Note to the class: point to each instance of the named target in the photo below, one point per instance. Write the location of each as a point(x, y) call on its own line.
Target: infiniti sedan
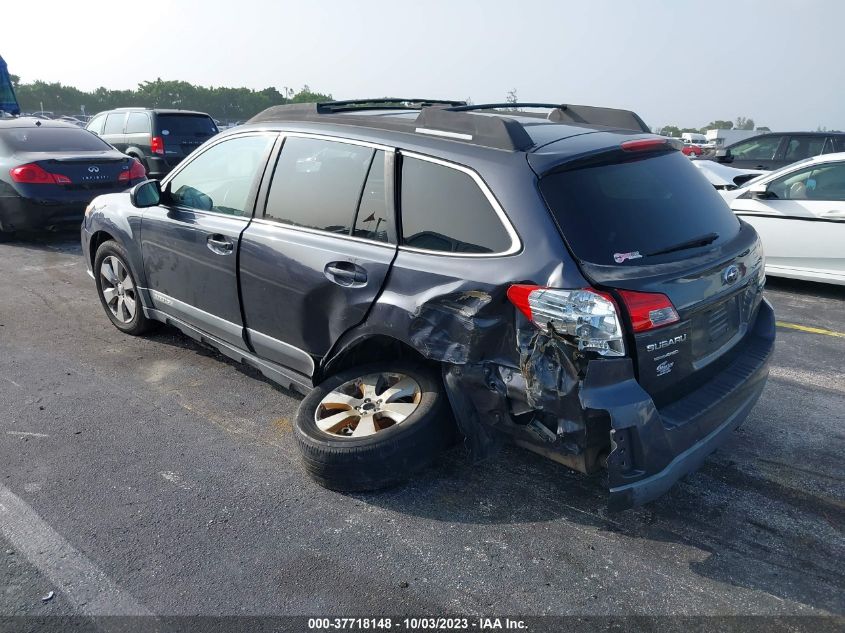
point(50, 171)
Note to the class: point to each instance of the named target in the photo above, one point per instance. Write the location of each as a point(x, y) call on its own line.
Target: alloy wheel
point(118, 289)
point(368, 404)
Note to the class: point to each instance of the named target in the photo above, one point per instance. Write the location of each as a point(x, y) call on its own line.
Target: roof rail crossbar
point(595, 115)
point(501, 106)
point(498, 132)
point(335, 106)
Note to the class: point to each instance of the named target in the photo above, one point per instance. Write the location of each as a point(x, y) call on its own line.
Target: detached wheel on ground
point(373, 426)
point(117, 290)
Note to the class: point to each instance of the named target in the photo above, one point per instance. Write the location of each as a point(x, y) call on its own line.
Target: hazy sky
point(686, 62)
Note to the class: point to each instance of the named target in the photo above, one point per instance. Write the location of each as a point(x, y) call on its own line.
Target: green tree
point(718, 124)
point(669, 130)
point(744, 124)
point(228, 104)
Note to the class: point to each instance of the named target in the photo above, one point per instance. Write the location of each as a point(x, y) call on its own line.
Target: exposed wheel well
point(371, 349)
point(98, 238)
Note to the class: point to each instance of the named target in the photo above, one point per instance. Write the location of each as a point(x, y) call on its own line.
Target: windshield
point(45, 139)
point(619, 213)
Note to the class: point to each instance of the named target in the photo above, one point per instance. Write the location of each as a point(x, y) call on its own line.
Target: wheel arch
point(366, 348)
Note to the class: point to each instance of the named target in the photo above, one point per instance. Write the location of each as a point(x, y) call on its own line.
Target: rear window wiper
point(702, 240)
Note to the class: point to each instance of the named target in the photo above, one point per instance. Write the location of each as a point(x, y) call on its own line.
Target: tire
point(388, 456)
point(137, 323)
point(6, 236)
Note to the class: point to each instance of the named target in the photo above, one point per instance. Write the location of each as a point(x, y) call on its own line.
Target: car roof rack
point(455, 120)
point(383, 103)
point(568, 113)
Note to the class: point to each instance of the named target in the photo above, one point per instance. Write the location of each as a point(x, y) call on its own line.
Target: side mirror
point(724, 156)
point(145, 194)
point(759, 191)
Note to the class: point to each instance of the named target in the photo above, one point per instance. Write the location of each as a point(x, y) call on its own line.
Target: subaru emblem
point(730, 274)
point(94, 169)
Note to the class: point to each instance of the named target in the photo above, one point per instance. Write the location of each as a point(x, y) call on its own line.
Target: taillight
point(157, 145)
point(33, 174)
point(588, 317)
point(648, 310)
point(135, 172)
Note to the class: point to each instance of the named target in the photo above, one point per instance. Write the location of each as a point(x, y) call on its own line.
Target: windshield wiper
point(703, 240)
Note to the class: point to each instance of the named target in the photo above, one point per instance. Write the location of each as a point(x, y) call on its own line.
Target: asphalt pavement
point(151, 476)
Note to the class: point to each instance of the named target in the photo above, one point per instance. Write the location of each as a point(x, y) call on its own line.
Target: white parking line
point(26, 434)
point(81, 582)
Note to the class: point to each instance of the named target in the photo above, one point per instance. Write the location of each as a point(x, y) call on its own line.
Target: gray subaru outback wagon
point(550, 274)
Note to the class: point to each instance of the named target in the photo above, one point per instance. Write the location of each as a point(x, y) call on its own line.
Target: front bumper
point(24, 214)
point(651, 448)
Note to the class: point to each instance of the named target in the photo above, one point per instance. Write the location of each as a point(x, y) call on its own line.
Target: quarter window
point(114, 123)
point(443, 209)
point(317, 184)
point(221, 178)
point(138, 123)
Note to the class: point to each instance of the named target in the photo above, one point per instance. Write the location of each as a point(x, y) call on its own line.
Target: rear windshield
point(621, 213)
point(186, 125)
point(45, 139)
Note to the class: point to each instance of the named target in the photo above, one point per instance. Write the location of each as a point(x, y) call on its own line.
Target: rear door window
point(114, 123)
point(317, 185)
point(623, 212)
point(758, 148)
point(443, 209)
point(138, 123)
point(803, 147)
point(373, 218)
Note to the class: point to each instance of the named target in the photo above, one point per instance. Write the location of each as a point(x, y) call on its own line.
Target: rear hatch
point(183, 133)
point(649, 222)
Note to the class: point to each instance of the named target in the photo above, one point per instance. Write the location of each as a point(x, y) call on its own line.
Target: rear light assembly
point(34, 174)
point(648, 310)
point(136, 171)
point(588, 317)
point(157, 145)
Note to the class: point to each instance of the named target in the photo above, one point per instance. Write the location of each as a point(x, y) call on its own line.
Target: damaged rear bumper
point(651, 448)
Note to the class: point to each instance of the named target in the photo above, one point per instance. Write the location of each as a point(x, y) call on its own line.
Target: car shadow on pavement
point(63, 241)
point(809, 289)
point(732, 525)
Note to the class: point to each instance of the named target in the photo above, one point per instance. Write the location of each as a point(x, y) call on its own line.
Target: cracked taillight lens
point(588, 317)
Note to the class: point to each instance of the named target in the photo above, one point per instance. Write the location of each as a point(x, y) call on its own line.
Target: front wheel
point(373, 426)
point(118, 291)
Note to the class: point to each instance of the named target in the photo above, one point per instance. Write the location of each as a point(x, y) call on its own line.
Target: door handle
point(345, 274)
point(220, 244)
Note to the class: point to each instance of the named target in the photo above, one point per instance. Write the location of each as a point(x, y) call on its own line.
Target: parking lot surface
point(149, 475)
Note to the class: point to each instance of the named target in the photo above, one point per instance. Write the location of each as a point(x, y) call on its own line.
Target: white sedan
point(799, 213)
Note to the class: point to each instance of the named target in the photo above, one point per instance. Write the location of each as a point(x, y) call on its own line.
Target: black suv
point(776, 150)
point(564, 279)
point(159, 139)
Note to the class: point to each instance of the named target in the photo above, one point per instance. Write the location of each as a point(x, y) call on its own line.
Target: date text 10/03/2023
point(417, 624)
